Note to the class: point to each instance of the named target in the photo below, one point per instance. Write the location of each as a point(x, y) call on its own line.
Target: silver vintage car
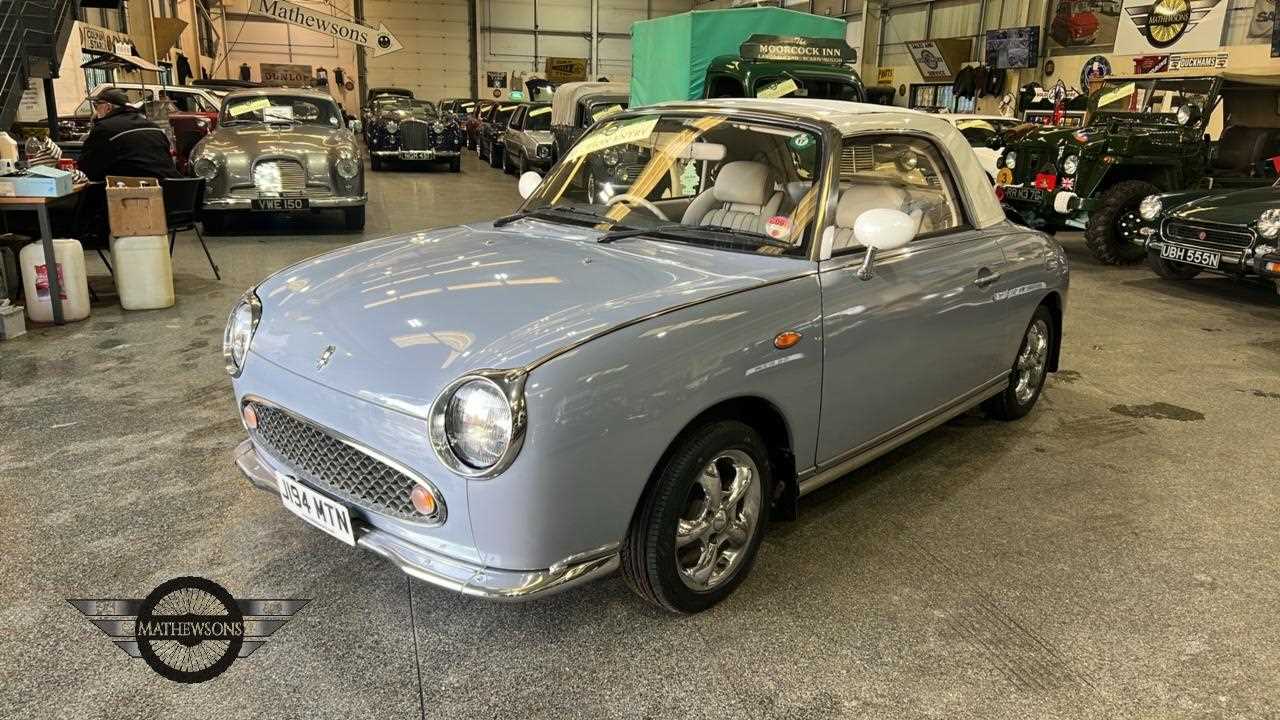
point(526, 143)
point(790, 289)
point(278, 151)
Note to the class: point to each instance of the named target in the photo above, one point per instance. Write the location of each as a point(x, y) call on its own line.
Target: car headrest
point(861, 198)
point(745, 182)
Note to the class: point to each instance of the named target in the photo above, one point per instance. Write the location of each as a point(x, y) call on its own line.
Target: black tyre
point(375, 162)
point(353, 217)
point(495, 160)
point(1030, 367)
point(455, 164)
point(1170, 270)
point(507, 166)
point(696, 533)
point(1114, 224)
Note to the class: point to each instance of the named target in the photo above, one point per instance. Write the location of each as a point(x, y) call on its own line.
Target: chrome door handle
point(986, 277)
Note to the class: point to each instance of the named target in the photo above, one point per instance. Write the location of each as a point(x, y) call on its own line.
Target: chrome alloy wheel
point(1032, 360)
point(720, 518)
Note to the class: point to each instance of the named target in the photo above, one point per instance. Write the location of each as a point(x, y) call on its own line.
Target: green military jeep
point(771, 66)
point(1143, 135)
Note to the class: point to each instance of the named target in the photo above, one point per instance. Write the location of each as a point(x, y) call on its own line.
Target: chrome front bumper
point(319, 203)
point(451, 573)
point(417, 154)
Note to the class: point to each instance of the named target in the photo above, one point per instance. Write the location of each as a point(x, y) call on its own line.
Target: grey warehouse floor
point(1114, 555)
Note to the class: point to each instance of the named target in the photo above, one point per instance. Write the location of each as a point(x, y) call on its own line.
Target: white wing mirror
point(528, 183)
point(882, 229)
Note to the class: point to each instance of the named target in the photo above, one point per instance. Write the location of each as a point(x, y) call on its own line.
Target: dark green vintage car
point(1142, 136)
point(1231, 233)
point(764, 68)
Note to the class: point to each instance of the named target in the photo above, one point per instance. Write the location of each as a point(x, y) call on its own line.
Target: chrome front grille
point(333, 465)
point(292, 177)
point(1217, 236)
point(414, 135)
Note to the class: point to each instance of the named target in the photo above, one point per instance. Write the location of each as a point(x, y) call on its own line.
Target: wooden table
point(40, 206)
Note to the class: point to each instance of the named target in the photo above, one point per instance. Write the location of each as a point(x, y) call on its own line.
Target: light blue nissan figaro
point(642, 378)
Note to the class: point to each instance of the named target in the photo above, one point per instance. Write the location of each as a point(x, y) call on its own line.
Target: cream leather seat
point(861, 198)
point(743, 198)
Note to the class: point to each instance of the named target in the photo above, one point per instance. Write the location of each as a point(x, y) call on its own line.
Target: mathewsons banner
point(1170, 26)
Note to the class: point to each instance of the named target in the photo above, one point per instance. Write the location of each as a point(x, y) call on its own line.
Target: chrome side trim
point(450, 573)
point(815, 478)
point(442, 508)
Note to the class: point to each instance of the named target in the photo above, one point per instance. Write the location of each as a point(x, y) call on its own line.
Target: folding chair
point(182, 200)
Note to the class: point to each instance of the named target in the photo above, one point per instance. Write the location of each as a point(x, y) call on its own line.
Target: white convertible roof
point(567, 96)
point(854, 118)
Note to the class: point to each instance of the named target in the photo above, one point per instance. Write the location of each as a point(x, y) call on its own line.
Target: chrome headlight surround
point(346, 166)
point(1269, 223)
point(1150, 207)
point(544, 150)
point(1070, 164)
point(207, 166)
point(510, 385)
point(1011, 159)
point(237, 337)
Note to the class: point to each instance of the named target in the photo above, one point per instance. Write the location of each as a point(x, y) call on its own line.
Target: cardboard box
point(40, 181)
point(135, 206)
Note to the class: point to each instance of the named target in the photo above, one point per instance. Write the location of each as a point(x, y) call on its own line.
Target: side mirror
point(879, 230)
point(528, 183)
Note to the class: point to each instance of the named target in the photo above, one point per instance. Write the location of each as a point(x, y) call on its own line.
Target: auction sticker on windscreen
point(618, 132)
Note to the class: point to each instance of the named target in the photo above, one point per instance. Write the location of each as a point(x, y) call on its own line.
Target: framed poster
point(929, 60)
point(495, 79)
point(1170, 26)
point(1013, 47)
point(286, 75)
point(1080, 27)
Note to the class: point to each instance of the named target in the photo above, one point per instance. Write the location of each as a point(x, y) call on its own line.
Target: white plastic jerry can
point(143, 271)
point(71, 278)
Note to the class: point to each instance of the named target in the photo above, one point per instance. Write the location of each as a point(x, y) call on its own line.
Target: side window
point(514, 122)
point(898, 172)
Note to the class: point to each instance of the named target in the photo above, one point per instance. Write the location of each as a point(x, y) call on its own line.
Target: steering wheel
point(628, 197)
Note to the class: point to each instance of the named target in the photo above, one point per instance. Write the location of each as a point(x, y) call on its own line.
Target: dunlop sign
point(379, 40)
point(825, 51)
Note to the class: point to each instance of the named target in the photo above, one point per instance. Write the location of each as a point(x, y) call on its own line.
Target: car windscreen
point(502, 113)
point(1155, 100)
point(291, 109)
point(598, 111)
point(757, 182)
point(539, 118)
point(803, 86)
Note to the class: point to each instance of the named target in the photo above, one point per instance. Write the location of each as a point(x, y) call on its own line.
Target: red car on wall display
point(1074, 23)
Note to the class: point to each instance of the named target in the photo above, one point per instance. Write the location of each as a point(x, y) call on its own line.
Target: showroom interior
point(640, 358)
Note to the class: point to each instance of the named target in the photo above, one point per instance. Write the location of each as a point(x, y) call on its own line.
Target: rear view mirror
point(528, 183)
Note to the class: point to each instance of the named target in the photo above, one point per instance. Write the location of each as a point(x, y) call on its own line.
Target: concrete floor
point(1112, 555)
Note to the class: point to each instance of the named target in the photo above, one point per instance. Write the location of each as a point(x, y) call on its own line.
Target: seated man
point(124, 142)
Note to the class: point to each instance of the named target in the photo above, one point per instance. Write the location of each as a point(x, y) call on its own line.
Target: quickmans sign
point(379, 40)
point(825, 51)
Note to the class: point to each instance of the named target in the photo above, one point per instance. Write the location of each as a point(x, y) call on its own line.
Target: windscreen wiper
point(557, 213)
point(684, 232)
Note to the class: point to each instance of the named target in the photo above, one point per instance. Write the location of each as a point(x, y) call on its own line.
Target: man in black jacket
point(124, 142)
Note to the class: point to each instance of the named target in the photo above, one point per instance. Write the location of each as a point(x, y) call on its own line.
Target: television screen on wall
point(1013, 47)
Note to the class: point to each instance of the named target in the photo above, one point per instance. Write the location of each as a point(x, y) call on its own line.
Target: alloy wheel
point(1032, 360)
point(714, 533)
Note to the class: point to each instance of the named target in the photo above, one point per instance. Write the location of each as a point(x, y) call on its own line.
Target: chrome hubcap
point(1032, 360)
point(720, 518)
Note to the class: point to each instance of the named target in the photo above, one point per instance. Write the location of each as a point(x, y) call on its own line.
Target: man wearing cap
point(124, 142)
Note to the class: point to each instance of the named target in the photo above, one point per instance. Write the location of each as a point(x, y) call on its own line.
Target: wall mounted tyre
point(1030, 368)
point(353, 217)
point(696, 532)
point(1170, 270)
point(1114, 223)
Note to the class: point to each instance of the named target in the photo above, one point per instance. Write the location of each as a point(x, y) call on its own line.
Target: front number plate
point(316, 509)
point(416, 154)
point(280, 204)
point(1191, 256)
point(1023, 194)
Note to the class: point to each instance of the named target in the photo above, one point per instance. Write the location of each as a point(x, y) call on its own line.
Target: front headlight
point(1269, 223)
point(1070, 164)
point(437, 126)
point(238, 335)
point(347, 167)
point(206, 167)
point(544, 151)
point(1011, 159)
point(477, 423)
point(1150, 207)
point(392, 127)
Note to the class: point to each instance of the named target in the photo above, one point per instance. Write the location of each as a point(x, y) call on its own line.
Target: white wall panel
point(436, 59)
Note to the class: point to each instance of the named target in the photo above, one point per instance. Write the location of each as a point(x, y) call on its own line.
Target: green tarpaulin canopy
point(669, 55)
